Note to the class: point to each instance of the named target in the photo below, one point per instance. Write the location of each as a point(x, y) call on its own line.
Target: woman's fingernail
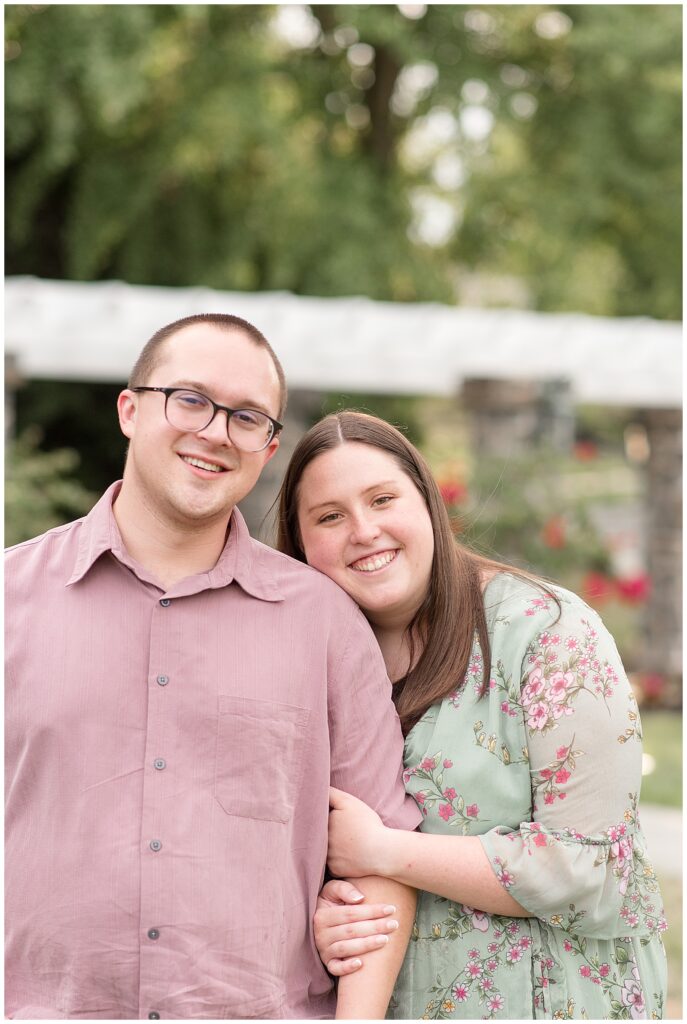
point(389, 910)
point(356, 963)
point(391, 925)
point(381, 940)
point(357, 895)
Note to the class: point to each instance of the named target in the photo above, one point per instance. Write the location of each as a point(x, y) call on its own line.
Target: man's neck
point(170, 551)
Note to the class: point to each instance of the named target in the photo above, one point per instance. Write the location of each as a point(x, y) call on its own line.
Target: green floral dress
point(545, 768)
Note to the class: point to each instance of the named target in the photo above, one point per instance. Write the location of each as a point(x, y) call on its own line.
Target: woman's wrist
point(389, 854)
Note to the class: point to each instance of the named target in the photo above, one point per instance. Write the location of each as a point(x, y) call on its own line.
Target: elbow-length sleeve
point(580, 863)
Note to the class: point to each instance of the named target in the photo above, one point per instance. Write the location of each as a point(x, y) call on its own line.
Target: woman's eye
point(383, 499)
point(329, 518)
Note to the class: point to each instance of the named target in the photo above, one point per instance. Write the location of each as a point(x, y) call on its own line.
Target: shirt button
point(153, 1016)
point(159, 763)
point(163, 680)
point(153, 933)
point(155, 845)
point(165, 602)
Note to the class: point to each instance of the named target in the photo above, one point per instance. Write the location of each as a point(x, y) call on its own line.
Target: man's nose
point(217, 430)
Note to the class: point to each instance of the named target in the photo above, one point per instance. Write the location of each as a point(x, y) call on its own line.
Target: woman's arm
point(365, 994)
point(452, 866)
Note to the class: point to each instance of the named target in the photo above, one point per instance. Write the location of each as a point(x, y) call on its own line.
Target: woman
point(523, 749)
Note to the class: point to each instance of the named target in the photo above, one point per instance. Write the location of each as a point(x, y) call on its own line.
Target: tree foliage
point(199, 144)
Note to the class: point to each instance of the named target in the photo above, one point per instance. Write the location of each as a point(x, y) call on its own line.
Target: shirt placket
point(156, 849)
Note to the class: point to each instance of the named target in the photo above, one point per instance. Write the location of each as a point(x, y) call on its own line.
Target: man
point(179, 699)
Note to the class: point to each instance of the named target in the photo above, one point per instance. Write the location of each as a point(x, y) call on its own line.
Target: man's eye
point(190, 401)
point(246, 418)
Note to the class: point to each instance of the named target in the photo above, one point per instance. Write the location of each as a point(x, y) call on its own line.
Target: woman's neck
point(394, 644)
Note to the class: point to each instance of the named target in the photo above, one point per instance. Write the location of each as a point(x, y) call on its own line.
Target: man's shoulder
point(32, 556)
point(294, 577)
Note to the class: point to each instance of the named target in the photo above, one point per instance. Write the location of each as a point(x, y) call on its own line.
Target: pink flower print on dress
point(631, 995)
point(479, 921)
point(446, 811)
point(586, 971)
point(538, 715)
point(459, 993)
point(450, 793)
point(604, 970)
point(473, 970)
point(472, 810)
point(514, 955)
point(447, 763)
point(495, 1003)
point(533, 688)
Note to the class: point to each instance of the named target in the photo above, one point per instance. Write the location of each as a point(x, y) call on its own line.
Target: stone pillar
point(258, 507)
point(663, 615)
point(509, 417)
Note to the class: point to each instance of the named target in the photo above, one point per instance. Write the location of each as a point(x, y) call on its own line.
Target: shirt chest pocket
point(260, 757)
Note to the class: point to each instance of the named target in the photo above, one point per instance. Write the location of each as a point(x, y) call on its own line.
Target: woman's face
point(364, 523)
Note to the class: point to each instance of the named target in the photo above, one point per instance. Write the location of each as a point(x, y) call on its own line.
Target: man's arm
point(365, 994)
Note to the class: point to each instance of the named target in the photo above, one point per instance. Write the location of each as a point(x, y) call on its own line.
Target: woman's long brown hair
point(452, 613)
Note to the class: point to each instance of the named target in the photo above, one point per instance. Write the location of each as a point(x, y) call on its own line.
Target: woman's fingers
point(340, 967)
point(347, 947)
point(338, 890)
point(332, 916)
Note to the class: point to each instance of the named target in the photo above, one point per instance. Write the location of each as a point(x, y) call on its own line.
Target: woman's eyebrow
point(374, 487)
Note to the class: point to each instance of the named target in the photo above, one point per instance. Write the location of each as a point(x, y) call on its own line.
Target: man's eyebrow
point(195, 385)
point(374, 487)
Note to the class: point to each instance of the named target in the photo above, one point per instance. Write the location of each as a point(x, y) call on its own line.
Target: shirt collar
point(242, 559)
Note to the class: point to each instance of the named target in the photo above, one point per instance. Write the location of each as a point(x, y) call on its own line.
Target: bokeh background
point(484, 157)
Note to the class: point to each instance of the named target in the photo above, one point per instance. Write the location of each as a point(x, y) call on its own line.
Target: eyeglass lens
point(248, 429)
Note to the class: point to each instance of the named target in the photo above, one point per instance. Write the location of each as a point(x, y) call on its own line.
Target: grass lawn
point(663, 741)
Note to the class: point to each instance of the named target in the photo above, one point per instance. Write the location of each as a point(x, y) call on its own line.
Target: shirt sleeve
point(365, 732)
point(580, 864)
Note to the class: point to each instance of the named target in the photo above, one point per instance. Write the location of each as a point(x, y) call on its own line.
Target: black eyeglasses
point(248, 429)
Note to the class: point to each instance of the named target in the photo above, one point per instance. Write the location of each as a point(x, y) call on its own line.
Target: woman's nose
point(364, 529)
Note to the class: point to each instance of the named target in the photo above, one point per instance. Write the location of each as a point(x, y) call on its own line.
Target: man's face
point(228, 367)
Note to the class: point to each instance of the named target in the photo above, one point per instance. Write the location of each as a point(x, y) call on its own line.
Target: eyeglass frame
point(216, 407)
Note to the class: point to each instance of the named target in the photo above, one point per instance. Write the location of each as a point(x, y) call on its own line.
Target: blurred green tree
point(335, 149)
point(41, 490)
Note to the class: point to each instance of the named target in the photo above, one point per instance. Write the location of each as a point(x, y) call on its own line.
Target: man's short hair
point(148, 359)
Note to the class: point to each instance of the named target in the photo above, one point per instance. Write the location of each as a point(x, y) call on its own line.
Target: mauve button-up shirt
point(168, 761)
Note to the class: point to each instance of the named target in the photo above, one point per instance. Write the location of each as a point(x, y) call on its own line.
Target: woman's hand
point(344, 929)
point(357, 837)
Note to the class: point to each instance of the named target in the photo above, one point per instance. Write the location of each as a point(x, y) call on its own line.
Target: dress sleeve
point(580, 864)
point(365, 732)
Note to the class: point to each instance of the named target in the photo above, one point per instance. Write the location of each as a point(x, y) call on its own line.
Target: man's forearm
point(365, 995)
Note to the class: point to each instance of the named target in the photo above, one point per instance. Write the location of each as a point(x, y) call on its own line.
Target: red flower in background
point(634, 589)
point(597, 587)
point(452, 491)
point(585, 450)
point(553, 533)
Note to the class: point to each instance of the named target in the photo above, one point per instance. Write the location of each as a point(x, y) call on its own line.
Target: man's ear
point(271, 450)
point(127, 404)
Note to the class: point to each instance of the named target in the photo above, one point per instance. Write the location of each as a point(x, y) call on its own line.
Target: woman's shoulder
point(536, 603)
